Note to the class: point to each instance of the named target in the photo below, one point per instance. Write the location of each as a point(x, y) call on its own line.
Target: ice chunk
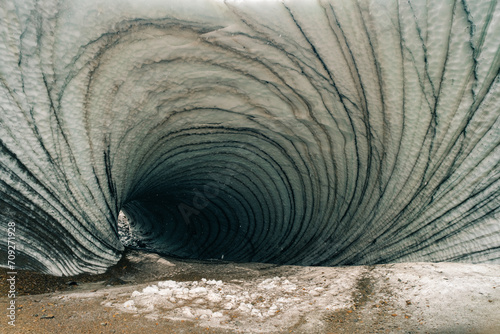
point(168, 284)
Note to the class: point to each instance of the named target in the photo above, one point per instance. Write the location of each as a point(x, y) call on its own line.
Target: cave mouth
point(288, 132)
point(211, 193)
point(230, 201)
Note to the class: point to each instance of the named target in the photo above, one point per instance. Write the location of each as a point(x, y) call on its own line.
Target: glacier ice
point(303, 132)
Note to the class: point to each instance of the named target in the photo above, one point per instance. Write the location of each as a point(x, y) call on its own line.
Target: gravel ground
point(146, 292)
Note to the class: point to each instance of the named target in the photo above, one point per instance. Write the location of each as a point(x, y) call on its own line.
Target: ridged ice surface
point(299, 132)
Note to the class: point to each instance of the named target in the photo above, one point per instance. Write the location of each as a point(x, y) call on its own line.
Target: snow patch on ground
point(259, 298)
point(264, 303)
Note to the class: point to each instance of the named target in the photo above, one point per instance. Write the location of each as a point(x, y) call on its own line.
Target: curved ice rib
point(329, 132)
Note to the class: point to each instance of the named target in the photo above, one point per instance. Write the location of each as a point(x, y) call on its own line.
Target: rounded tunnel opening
point(215, 194)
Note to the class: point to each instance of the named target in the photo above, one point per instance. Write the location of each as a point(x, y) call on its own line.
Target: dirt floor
point(146, 293)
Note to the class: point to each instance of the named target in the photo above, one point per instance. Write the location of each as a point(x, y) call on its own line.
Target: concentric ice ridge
point(324, 132)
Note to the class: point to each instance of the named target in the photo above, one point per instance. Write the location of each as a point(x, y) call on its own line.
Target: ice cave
point(324, 132)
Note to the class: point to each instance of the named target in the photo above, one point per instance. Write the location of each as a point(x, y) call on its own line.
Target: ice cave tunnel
point(324, 132)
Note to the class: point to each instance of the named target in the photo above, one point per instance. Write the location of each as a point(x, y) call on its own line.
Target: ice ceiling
point(300, 132)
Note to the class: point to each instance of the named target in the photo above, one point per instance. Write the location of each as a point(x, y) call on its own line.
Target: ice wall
point(300, 132)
